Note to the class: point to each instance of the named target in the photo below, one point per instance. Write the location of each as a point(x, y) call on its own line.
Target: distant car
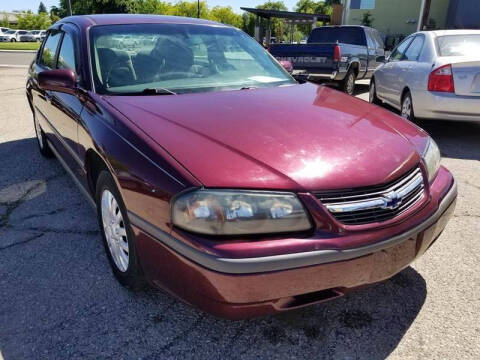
point(12, 35)
point(432, 75)
point(3, 30)
point(38, 34)
point(28, 37)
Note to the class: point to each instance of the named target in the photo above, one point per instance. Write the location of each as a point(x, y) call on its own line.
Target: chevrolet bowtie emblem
point(391, 200)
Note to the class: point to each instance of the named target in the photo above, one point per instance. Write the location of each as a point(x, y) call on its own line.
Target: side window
point(66, 56)
point(378, 39)
point(370, 40)
point(397, 54)
point(49, 50)
point(414, 50)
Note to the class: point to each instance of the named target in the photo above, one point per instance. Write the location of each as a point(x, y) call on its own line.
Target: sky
point(9, 5)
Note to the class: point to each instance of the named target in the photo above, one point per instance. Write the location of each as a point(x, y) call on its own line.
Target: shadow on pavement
point(60, 300)
point(456, 139)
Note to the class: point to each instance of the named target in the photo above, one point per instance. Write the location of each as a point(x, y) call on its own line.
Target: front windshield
point(183, 58)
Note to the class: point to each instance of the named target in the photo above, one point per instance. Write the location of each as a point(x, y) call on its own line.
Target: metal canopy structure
point(291, 17)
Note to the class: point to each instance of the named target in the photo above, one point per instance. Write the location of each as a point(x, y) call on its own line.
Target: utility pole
point(424, 14)
point(69, 8)
point(198, 9)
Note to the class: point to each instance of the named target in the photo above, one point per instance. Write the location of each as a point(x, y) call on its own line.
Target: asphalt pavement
point(16, 59)
point(59, 299)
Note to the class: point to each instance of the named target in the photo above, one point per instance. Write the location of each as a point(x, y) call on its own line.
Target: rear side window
point(66, 56)
point(458, 45)
point(49, 50)
point(414, 50)
point(347, 35)
point(397, 54)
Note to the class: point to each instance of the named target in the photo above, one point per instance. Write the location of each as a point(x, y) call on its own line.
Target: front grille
point(376, 203)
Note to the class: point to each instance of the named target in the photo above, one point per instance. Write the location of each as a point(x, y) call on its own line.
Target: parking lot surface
point(60, 300)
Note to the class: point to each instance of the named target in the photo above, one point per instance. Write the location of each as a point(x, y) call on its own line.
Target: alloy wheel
point(407, 108)
point(350, 83)
point(114, 229)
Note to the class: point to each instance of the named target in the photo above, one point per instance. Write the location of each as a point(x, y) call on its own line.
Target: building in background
point(395, 19)
point(11, 17)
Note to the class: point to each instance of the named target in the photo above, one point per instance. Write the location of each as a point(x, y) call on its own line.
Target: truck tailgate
point(308, 57)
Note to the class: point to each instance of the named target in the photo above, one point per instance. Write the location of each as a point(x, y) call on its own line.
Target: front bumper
point(245, 287)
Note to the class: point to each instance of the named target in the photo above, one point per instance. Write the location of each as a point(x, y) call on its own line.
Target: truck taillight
point(441, 79)
point(337, 54)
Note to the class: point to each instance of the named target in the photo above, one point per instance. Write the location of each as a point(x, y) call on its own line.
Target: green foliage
point(367, 19)
point(30, 21)
point(225, 15)
point(19, 45)
point(4, 22)
point(42, 8)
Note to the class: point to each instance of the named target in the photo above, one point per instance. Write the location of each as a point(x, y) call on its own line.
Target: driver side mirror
point(61, 80)
point(287, 65)
point(381, 59)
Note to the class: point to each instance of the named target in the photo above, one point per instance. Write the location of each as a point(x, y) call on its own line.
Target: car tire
point(406, 110)
point(117, 233)
point(372, 93)
point(13, 40)
point(347, 85)
point(43, 145)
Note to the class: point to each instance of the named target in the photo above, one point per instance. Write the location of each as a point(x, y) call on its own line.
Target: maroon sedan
point(219, 178)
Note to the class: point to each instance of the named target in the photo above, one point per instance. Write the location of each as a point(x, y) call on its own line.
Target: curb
point(19, 51)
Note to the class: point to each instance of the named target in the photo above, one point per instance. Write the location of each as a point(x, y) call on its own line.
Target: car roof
point(452, 32)
point(124, 19)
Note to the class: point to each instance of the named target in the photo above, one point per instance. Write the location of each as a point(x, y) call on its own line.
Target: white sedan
point(432, 75)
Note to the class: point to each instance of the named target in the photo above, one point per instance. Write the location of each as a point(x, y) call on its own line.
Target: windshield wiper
point(157, 91)
point(247, 88)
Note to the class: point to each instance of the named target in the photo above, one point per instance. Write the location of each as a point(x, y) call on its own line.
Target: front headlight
point(431, 158)
point(231, 212)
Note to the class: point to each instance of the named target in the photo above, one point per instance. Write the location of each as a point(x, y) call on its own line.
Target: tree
point(225, 15)
point(4, 22)
point(42, 8)
point(30, 21)
point(367, 19)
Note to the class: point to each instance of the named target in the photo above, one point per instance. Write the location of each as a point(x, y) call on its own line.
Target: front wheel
point(13, 40)
point(372, 93)
point(407, 107)
point(117, 234)
point(347, 85)
point(43, 145)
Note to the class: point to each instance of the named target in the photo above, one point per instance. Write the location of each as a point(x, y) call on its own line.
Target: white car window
point(397, 54)
point(414, 50)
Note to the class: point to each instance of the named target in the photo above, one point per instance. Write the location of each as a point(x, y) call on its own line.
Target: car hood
point(299, 137)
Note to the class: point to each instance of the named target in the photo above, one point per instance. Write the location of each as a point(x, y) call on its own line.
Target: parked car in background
point(38, 34)
point(28, 37)
point(337, 53)
point(432, 75)
point(13, 35)
point(219, 178)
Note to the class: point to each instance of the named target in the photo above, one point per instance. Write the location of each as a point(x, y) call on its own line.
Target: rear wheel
point(13, 40)
point(372, 93)
point(117, 234)
point(407, 107)
point(348, 84)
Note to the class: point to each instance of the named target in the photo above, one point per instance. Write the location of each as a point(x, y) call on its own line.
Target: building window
point(362, 4)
